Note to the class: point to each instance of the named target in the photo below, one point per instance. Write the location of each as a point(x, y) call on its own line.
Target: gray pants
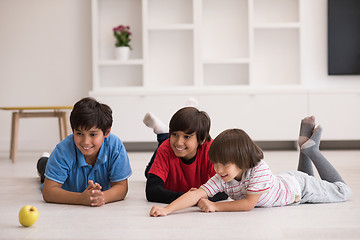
point(331, 187)
point(315, 190)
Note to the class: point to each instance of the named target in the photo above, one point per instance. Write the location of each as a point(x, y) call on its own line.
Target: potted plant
point(123, 37)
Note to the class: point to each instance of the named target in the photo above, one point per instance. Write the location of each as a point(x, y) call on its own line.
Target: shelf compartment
point(112, 13)
point(276, 11)
point(226, 74)
point(276, 59)
point(177, 12)
point(121, 76)
point(171, 58)
point(225, 29)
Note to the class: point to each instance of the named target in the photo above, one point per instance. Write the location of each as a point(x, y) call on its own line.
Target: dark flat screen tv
point(343, 37)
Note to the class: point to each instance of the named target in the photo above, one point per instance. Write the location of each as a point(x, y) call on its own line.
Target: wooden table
point(35, 112)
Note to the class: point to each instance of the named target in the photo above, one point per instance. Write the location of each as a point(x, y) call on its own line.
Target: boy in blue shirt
point(89, 167)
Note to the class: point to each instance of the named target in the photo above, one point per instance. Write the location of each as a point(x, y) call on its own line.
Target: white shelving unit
point(239, 58)
point(197, 44)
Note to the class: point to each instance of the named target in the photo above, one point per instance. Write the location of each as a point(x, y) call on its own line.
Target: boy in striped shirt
point(247, 179)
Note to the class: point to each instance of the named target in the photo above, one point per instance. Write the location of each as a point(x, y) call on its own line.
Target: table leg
point(66, 125)
point(62, 125)
point(14, 136)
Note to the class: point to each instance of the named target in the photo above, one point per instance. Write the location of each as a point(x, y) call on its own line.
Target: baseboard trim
point(265, 145)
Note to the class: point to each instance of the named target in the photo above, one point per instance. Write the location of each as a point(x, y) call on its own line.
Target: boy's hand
point(97, 198)
point(158, 211)
point(92, 195)
point(206, 205)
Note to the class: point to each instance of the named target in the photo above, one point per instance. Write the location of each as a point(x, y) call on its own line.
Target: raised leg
point(306, 129)
point(325, 169)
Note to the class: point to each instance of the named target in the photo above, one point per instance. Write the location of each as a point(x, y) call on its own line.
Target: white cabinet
point(129, 111)
point(265, 117)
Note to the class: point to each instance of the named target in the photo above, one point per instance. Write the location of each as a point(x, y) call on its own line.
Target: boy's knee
point(344, 190)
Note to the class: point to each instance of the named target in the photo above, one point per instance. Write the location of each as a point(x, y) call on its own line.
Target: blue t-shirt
point(67, 165)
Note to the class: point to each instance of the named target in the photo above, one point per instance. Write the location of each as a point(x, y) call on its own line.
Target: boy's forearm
point(117, 191)
point(59, 195)
point(186, 200)
point(235, 206)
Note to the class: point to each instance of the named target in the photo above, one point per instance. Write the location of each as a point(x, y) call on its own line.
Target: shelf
point(227, 61)
point(118, 62)
point(290, 25)
point(171, 27)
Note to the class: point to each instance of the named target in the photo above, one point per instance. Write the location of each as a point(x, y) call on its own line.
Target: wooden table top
point(20, 108)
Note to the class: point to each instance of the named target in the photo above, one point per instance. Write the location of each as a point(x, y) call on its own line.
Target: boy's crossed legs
point(331, 187)
point(309, 142)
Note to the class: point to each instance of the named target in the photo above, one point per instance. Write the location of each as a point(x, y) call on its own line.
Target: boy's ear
point(107, 133)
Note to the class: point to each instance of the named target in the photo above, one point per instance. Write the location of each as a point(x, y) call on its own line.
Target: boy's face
point(89, 141)
point(228, 171)
point(184, 145)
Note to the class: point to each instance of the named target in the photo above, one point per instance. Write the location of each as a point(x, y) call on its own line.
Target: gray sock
point(311, 149)
point(306, 129)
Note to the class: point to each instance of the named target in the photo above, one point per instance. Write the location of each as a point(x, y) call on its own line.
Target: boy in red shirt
point(181, 161)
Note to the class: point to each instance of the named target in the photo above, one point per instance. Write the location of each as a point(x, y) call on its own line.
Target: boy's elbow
point(249, 208)
point(149, 196)
point(46, 196)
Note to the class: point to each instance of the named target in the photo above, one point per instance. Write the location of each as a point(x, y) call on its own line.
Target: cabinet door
point(339, 114)
point(265, 117)
point(129, 112)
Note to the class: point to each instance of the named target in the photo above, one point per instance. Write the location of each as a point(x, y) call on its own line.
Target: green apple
point(28, 215)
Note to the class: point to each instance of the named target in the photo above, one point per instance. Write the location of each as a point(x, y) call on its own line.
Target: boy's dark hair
point(190, 120)
point(88, 113)
point(235, 146)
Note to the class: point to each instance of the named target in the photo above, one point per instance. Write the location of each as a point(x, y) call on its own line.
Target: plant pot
point(122, 53)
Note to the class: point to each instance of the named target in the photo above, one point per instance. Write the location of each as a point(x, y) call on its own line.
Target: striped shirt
point(274, 190)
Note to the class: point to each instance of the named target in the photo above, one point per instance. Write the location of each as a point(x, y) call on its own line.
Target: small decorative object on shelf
point(123, 37)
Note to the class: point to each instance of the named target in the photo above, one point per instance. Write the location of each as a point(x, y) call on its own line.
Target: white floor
point(129, 219)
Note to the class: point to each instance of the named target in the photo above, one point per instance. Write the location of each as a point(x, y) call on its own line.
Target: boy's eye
point(174, 134)
point(79, 133)
point(93, 134)
point(187, 136)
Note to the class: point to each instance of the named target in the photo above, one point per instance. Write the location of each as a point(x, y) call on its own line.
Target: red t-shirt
point(178, 176)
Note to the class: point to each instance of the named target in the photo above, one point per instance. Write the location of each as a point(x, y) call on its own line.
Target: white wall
point(45, 59)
